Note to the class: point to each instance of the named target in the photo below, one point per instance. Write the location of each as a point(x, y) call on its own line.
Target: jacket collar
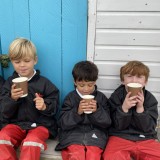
point(35, 74)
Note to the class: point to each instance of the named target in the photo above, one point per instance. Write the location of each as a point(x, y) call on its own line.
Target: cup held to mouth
point(134, 88)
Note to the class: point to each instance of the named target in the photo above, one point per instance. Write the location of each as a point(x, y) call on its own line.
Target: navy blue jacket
point(132, 125)
point(1, 83)
point(85, 129)
point(23, 111)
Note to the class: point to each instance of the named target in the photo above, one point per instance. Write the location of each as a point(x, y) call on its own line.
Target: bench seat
point(50, 153)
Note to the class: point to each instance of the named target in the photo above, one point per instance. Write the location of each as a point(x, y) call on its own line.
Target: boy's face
point(134, 79)
point(84, 87)
point(24, 67)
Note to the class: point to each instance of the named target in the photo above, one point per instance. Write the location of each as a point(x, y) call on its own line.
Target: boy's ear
point(36, 60)
point(146, 82)
point(122, 82)
point(75, 83)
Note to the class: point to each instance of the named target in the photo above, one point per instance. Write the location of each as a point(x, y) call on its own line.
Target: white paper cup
point(88, 98)
point(87, 112)
point(22, 82)
point(134, 88)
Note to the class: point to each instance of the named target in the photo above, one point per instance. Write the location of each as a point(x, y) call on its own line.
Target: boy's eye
point(140, 76)
point(27, 60)
point(81, 85)
point(16, 61)
point(128, 75)
point(90, 85)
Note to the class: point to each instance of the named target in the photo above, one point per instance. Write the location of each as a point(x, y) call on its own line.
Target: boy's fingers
point(36, 94)
point(13, 86)
point(128, 94)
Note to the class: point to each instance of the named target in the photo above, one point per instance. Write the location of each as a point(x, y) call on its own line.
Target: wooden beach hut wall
point(58, 28)
point(120, 31)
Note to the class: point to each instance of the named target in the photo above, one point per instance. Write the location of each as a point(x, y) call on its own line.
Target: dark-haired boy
point(84, 136)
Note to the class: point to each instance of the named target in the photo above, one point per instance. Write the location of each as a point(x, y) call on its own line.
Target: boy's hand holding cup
point(88, 99)
point(131, 99)
point(21, 82)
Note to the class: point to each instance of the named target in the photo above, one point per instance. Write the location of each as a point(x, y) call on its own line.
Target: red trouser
point(32, 142)
point(122, 149)
point(79, 152)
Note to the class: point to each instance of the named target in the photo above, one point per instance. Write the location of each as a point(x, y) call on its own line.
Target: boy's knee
point(120, 155)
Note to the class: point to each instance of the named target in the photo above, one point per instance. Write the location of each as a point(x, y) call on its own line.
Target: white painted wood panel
point(113, 68)
point(121, 31)
point(111, 83)
point(127, 53)
point(128, 5)
point(140, 20)
point(128, 37)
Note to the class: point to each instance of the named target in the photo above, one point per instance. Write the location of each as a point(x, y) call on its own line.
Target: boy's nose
point(85, 88)
point(134, 79)
point(22, 64)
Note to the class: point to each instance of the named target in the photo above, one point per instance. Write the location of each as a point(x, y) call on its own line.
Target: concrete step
point(50, 153)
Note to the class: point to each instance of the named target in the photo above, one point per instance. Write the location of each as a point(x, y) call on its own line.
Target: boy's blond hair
point(134, 68)
point(21, 48)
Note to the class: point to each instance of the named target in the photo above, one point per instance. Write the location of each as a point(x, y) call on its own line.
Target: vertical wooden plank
point(74, 29)
point(45, 30)
point(59, 33)
point(1, 71)
point(6, 31)
point(13, 23)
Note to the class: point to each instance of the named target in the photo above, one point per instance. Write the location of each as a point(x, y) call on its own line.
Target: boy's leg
point(149, 150)
point(10, 137)
point(93, 153)
point(118, 149)
point(73, 152)
point(34, 143)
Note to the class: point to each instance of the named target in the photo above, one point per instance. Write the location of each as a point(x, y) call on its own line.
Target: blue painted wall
point(58, 28)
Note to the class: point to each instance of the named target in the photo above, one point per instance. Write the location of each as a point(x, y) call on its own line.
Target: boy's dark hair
point(85, 70)
point(134, 68)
